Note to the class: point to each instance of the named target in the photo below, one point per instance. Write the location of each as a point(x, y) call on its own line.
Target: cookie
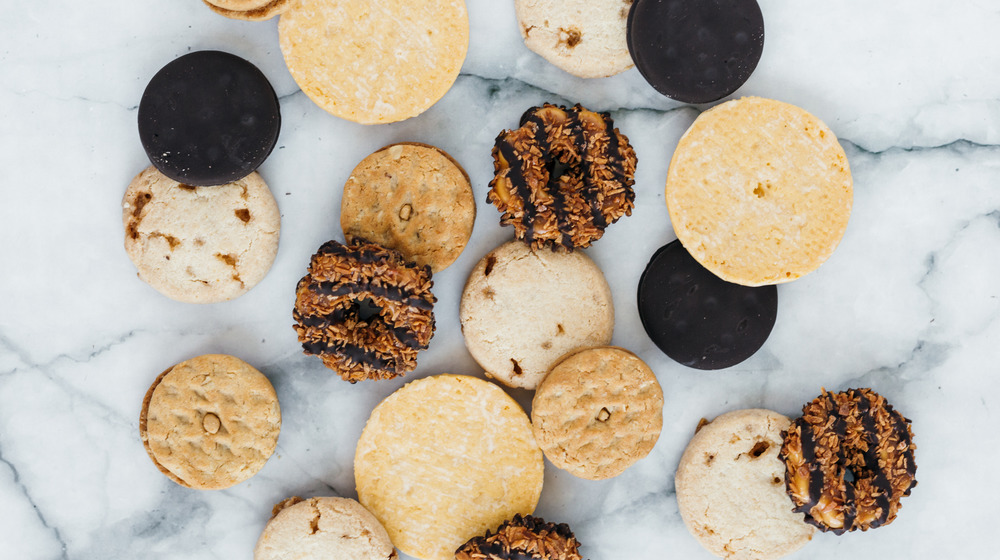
point(583, 37)
point(759, 191)
point(210, 422)
point(200, 244)
point(413, 198)
point(697, 51)
point(258, 10)
point(698, 319)
point(731, 488)
point(597, 412)
point(375, 62)
point(208, 118)
point(444, 459)
point(522, 310)
point(526, 537)
point(324, 528)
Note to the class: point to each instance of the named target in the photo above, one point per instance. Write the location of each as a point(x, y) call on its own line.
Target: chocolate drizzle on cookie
point(523, 538)
point(562, 177)
point(330, 318)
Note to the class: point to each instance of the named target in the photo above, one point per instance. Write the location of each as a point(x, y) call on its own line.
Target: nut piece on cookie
point(523, 537)
point(325, 528)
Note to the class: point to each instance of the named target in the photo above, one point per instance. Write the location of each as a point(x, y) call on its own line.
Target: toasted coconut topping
point(523, 538)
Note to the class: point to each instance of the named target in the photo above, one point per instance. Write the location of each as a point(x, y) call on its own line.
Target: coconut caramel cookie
point(583, 37)
point(759, 191)
point(597, 412)
point(731, 488)
point(374, 62)
point(522, 310)
point(413, 198)
point(200, 244)
point(210, 422)
point(325, 528)
point(444, 459)
point(249, 10)
point(523, 537)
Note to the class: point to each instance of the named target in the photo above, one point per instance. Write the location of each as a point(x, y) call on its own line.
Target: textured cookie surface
point(522, 310)
point(731, 488)
point(597, 412)
point(413, 198)
point(324, 528)
point(583, 37)
point(375, 62)
point(759, 191)
point(252, 11)
point(444, 459)
point(523, 538)
point(210, 422)
point(200, 244)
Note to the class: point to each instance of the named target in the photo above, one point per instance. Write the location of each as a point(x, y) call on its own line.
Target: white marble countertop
point(907, 305)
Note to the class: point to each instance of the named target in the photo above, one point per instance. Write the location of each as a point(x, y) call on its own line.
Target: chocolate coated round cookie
point(698, 319)
point(208, 118)
point(695, 51)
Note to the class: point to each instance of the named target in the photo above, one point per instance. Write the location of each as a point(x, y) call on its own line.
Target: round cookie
point(597, 412)
point(522, 311)
point(324, 528)
point(210, 422)
point(523, 538)
point(759, 191)
point(239, 5)
point(698, 319)
point(375, 62)
point(583, 37)
point(696, 51)
point(413, 198)
point(265, 11)
point(444, 459)
point(200, 244)
point(208, 118)
point(731, 488)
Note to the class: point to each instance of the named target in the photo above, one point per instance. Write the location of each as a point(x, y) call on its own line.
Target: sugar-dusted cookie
point(597, 412)
point(527, 537)
point(375, 62)
point(583, 37)
point(251, 10)
point(413, 198)
point(759, 191)
point(210, 422)
point(200, 244)
point(731, 488)
point(444, 459)
point(522, 310)
point(324, 528)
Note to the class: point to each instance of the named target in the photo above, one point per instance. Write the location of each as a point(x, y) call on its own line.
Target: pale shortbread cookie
point(444, 459)
point(239, 5)
point(583, 37)
point(375, 62)
point(413, 198)
point(759, 191)
point(200, 244)
point(522, 310)
point(597, 412)
point(258, 12)
point(324, 528)
point(731, 488)
point(210, 422)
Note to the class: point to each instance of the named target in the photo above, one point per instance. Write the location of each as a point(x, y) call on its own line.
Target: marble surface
point(907, 305)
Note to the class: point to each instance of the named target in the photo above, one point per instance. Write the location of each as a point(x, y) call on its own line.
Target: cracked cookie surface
point(200, 244)
point(327, 528)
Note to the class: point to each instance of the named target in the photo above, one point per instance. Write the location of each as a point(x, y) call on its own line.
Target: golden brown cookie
point(251, 10)
point(597, 412)
point(524, 537)
point(759, 191)
point(444, 459)
point(413, 198)
point(375, 62)
point(210, 422)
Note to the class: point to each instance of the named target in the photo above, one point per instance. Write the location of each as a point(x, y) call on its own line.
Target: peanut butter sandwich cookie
point(210, 422)
point(324, 528)
point(413, 198)
point(597, 412)
point(249, 10)
point(759, 191)
point(523, 537)
point(731, 488)
point(375, 62)
point(522, 311)
point(200, 244)
point(444, 459)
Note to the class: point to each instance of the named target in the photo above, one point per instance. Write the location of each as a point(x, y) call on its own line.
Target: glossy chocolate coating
point(695, 51)
point(208, 118)
point(697, 318)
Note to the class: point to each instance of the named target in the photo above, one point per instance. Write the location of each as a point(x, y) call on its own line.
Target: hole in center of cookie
point(367, 310)
point(556, 170)
point(848, 475)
